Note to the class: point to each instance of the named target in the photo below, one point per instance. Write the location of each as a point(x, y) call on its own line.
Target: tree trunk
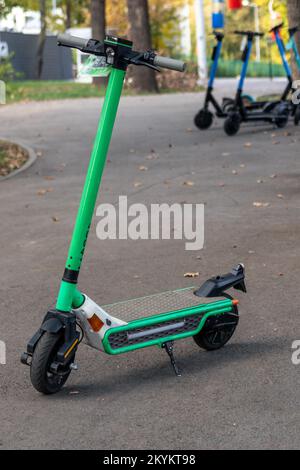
point(68, 14)
point(138, 14)
point(294, 20)
point(42, 39)
point(98, 27)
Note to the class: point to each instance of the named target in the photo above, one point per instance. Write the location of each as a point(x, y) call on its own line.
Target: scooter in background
point(275, 112)
point(293, 46)
point(204, 118)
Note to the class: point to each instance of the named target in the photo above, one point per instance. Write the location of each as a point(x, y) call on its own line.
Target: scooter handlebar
point(72, 41)
point(168, 63)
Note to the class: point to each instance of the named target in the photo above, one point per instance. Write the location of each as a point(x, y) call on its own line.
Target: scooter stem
point(69, 296)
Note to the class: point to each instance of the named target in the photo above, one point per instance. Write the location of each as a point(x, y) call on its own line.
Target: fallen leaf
point(49, 178)
point(152, 156)
point(261, 204)
point(191, 274)
point(43, 191)
point(188, 183)
point(248, 144)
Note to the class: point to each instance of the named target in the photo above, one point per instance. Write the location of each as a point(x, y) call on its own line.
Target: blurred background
point(33, 67)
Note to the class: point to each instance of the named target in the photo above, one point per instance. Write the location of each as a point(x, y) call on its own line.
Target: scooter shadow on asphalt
point(251, 129)
point(190, 363)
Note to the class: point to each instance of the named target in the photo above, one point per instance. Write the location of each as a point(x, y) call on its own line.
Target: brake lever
point(137, 60)
point(146, 64)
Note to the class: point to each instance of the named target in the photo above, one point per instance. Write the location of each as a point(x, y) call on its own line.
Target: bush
point(7, 72)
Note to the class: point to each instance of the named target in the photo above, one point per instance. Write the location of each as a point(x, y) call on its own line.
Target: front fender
point(52, 325)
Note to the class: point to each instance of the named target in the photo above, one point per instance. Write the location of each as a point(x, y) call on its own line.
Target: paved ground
point(244, 396)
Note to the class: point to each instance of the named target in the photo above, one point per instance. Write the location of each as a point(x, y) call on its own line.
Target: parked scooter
point(204, 118)
point(208, 314)
point(293, 46)
point(275, 112)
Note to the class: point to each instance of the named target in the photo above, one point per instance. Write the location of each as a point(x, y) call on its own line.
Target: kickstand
point(169, 346)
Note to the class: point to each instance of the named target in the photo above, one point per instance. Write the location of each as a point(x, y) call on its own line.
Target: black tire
point(204, 119)
point(217, 331)
point(282, 118)
point(297, 116)
point(227, 105)
point(232, 124)
point(42, 379)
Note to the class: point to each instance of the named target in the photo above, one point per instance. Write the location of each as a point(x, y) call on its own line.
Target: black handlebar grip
point(72, 41)
point(168, 63)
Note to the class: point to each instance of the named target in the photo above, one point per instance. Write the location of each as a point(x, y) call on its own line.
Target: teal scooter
point(208, 314)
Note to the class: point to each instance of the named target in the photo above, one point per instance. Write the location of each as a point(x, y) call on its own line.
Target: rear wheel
point(297, 116)
point(204, 119)
point(232, 124)
point(217, 331)
point(43, 380)
point(282, 117)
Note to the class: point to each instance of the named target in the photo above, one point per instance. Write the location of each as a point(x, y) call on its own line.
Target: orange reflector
point(235, 302)
point(95, 323)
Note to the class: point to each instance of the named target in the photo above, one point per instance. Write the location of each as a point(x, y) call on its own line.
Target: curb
point(30, 161)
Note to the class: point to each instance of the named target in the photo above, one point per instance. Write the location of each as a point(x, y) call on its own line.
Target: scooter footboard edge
point(158, 329)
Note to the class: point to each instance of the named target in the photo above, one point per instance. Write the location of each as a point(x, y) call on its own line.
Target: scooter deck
point(157, 304)
point(155, 319)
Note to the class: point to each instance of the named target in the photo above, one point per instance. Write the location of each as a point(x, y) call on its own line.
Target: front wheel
point(217, 331)
point(204, 119)
point(43, 380)
point(232, 124)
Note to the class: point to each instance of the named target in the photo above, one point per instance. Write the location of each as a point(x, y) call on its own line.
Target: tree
point(294, 20)
point(98, 19)
point(138, 14)
point(42, 39)
point(98, 26)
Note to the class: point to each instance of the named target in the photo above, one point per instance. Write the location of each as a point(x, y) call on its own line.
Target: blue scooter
point(204, 118)
point(275, 112)
point(293, 46)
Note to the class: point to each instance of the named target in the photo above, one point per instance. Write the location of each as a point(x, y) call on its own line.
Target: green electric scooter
point(207, 314)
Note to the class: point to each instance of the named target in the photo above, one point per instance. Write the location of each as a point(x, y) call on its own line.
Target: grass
point(2, 157)
point(49, 90)
point(45, 90)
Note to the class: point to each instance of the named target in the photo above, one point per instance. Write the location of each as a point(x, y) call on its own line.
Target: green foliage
point(165, 27)
point(7, 71)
